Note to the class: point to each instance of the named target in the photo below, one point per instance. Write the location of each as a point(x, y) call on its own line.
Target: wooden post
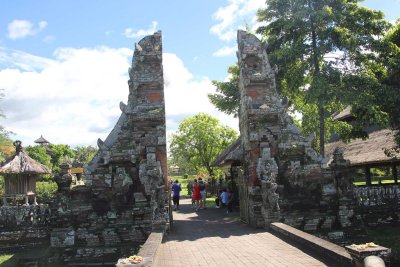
point(368, 175)
point(394, 172)
point(26, 200)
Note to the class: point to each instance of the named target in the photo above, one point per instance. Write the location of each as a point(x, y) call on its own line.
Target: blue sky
point(63, 64)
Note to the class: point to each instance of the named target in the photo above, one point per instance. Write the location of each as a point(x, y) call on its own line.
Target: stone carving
point(124, 196)
point(274, 149)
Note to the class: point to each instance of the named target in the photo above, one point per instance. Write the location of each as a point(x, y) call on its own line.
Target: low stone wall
point(149, 250)
point(24, 227)
point(323, 248)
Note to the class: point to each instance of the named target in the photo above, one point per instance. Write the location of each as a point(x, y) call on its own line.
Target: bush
point(45, 191)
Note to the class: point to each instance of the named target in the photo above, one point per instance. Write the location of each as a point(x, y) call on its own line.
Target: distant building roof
point(41, 140)
point(344, 114)
point(21, 163)
point(363, 152)
point(231, 154)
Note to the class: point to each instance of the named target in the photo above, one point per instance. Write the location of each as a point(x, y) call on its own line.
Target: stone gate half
point(277, 159)
point(123, 199)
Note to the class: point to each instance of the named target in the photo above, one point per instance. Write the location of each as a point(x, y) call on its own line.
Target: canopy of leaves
point(227, 97)
point(59, 154)
point(41, 155)
point(198, 141)
point(84, 154)
point(315, 43)
point(6, 144)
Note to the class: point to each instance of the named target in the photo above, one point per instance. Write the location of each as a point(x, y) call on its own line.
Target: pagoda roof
point(41, 140)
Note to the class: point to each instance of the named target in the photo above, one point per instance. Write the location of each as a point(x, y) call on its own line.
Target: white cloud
point(18, 29)
point(131, 33)
point(234, 16)
point(185, 96)
point(225, 51)
point(48, 39)
point(74, 97)
point(27, 62)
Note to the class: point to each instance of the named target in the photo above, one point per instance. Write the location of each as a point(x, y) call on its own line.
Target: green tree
point(198, 141)
point(84, 154)
point(390, 60)
point(386, 94)
point(227, 97)
point(40, 154)
point(58, 154)
point(6, 144)
point(315, 43)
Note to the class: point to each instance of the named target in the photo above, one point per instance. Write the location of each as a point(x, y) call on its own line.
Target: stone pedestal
point(360, 252)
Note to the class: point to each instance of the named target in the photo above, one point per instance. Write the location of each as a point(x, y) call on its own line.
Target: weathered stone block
point(62, 237)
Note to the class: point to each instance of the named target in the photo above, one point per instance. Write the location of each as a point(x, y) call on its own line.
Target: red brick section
point(213, 238)
point(153, 97)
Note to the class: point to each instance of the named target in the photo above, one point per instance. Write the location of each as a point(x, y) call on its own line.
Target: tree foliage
point(227, 97)
point(315, 43)
point(6, 144)
point(84, 154)
point(60, 153)
point(198, 141)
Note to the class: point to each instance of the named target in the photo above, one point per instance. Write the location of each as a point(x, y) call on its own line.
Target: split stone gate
point(123, 200)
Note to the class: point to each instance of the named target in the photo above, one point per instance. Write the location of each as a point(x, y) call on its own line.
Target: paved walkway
point(213, 238)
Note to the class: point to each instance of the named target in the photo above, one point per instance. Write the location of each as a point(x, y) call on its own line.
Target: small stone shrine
point(123, 198)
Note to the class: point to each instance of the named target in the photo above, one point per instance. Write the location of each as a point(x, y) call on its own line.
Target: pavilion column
point(368, 175)
point(394, 172)
point(4, 200)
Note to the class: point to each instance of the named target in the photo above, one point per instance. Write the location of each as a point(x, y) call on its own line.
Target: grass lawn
point(5, 260)
point(40, 253)
point(375, 182)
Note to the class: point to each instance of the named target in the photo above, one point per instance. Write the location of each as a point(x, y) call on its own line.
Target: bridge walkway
point(211, 237)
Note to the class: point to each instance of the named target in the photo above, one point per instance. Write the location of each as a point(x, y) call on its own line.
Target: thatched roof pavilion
point(41, 141)
point(20, 172)
point(230, 156)
point(370, 151)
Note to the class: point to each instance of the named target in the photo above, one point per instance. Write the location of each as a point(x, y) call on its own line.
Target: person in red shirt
point(196, 196)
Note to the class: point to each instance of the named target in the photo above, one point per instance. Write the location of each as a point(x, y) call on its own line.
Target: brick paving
point(213, 238)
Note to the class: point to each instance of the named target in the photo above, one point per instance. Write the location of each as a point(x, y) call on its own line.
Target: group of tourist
point(199, 195)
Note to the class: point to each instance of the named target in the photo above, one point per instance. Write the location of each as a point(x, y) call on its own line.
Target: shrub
point(45, 191)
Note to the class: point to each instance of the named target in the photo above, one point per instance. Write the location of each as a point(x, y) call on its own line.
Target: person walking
point(224, 198)
point(203, 193)
point(176, 189)
point(196, 196)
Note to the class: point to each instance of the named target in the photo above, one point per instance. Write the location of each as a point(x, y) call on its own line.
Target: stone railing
point(377, 195)
point(24, 216)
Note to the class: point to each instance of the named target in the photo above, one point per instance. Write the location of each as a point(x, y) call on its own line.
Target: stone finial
point(122, 107)
point(100, 143)
point(18, 146)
